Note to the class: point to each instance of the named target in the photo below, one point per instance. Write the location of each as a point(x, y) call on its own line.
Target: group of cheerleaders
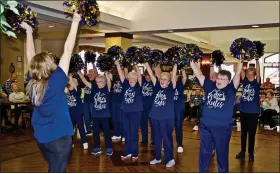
point(157, 96)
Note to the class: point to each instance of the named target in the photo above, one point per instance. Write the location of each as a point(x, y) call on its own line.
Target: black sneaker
point(89, 133)
point(251, 158)
point(240, 155)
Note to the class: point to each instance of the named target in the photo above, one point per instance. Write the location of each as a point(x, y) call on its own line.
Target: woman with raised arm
point(162, 114)
point(132, 107)
point(216, 119)
point(100, 89)
point(179, 103)
point(51, 120)
point(76, 108)
point(249, 109)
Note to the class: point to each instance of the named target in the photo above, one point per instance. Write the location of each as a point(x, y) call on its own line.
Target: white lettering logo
point(129, 96)
point(117, 88)
point(216, 99)
point(248, 93)
point(176, 95)
point(147, 90)
point(160, 99)
point(100, 101)
point(72, 101)
point(87, 90)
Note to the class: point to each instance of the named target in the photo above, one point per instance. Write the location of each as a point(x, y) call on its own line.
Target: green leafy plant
point(5, 27)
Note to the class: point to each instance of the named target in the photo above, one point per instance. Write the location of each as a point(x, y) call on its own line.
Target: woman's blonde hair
point(251, 69)
point(102, 77)
point(132, 74)
point(166, 74)
point(41, 67)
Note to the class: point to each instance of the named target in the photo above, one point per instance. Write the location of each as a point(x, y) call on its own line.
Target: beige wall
point(54, 46)
point(10, 49)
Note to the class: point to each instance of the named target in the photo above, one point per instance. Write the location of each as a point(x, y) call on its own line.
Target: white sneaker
point(180, 149)
point(155, 161)
point(171, 163)
point(123, 139)
point(73, 145)
point(162, 149)
point(116, 138)
point(85, 145)
point(195, 128)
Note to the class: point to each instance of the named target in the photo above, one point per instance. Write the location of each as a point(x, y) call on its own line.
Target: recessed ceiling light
point(255, 26)
point(170, 31)
point(51, 26)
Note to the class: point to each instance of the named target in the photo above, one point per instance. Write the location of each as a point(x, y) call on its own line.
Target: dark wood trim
point(269, 25)
point(124, 35)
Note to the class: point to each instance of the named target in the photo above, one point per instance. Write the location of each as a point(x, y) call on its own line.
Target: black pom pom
point(156, 57)
point(76, 63)
point(115, 52)
point(133, 55)
point(259, 48)
point(90, 57)
point(104, 62)
point(217, 57)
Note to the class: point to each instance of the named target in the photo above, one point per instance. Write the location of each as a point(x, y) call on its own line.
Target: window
point(271, 69)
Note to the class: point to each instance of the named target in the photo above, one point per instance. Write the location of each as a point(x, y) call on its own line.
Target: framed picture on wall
point(19, 59)
point(141, 68)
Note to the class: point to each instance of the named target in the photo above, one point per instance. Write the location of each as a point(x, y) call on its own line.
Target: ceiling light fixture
point(170, 31)
point(51, 26)
point(255, 26)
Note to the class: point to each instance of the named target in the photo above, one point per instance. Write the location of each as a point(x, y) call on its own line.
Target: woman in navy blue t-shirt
point(132, 107)
point(162, 114)
point(100, 89)
point(249, 108)
point(50, 119)
point(76, 108)
point(216, 119)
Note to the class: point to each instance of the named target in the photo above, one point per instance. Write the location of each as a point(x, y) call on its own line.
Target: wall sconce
point(205, 62)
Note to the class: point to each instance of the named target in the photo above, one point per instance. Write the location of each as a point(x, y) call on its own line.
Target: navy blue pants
point(76, 114)
point(106, 129)
point(88, 107)
point(144, 125)
point(219, 137)
point(117, 116)
point(57, 153)
point(179, 117)
point(131, 126)
point(163, 132)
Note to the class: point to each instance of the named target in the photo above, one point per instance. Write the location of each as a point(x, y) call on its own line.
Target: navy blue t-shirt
point(132, 100)
point(179, 92)
point(147, 92)
point(117, 90)
point(74, 98)
point(163, 103)
point(101, 104)
point(88, 96)
point(51, 120)
point(250, 100)
point(218, 106)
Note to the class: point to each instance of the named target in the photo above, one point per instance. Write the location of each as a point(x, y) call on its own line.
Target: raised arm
point(125, 73)
point(157, 71)
point(69, 44)
point(139, 75)
point(197, 72)
point(153, 78)
point(84, 80)
point(120, 71)
point(174, 76)
point(184, 79)
point(30, 49)
point(258, 74)
point(236, 78)
point(107, 75)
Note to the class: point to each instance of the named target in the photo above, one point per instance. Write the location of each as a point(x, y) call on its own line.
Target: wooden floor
point(20, 153)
